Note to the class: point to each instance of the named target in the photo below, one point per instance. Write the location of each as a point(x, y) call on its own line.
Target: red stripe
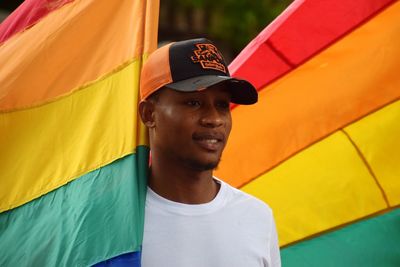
point(27, 15)
point(303, 30)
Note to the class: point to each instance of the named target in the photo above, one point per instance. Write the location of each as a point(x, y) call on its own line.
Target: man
point(192, 218)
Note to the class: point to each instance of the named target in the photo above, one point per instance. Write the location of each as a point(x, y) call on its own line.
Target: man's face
point(192, 128)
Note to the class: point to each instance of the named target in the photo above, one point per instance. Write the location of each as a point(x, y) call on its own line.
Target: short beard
point(199, 166)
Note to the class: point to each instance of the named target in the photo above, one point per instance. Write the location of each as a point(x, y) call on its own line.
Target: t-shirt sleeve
point(274, 246)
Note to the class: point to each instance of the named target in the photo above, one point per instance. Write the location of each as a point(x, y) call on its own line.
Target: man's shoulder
point(240, 198)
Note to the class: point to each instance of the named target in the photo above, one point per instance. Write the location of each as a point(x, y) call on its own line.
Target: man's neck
point(181, 184)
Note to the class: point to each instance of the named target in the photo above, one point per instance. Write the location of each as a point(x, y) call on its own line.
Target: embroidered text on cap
point(209, 57)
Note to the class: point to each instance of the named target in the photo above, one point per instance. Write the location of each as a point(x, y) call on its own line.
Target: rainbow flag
point(74, 155)
point(322, 145)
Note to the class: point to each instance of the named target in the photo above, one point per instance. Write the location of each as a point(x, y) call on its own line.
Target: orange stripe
point(151, 26)
point(50, 57)
point(352, 78)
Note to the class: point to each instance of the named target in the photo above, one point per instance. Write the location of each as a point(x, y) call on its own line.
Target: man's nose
point(211, 118)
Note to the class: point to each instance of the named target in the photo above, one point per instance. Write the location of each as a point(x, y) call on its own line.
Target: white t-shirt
point(234, 229)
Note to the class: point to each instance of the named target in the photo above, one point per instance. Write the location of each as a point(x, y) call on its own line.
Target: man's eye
point(194, 103)
point(223, 105)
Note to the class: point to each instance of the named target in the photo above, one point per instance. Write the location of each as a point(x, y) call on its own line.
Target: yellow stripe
point(52, 144)
point(323, 186)
point(377, 137)
point(356, 75)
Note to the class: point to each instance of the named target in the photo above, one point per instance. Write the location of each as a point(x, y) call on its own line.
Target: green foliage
point(237, 21)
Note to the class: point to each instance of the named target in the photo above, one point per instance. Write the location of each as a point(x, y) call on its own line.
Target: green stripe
point(93, 218)
point(372, 242)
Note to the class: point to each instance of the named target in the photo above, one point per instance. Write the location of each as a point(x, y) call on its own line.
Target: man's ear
point(146, 111)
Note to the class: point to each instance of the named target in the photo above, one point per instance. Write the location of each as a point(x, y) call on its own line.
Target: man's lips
point(211, 141)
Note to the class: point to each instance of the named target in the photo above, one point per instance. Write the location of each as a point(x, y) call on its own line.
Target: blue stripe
point(124, 260)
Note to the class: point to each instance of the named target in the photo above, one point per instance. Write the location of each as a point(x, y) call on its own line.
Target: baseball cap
point(192, 65)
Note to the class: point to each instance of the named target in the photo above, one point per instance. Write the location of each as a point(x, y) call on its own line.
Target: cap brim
point(243, 92)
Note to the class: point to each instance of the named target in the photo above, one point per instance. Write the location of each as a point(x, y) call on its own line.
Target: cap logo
point(209, 57)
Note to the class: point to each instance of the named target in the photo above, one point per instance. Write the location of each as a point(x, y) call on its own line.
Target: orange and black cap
point(189, 66)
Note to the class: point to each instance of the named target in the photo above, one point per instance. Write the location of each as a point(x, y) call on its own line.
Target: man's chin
point(201, 166)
